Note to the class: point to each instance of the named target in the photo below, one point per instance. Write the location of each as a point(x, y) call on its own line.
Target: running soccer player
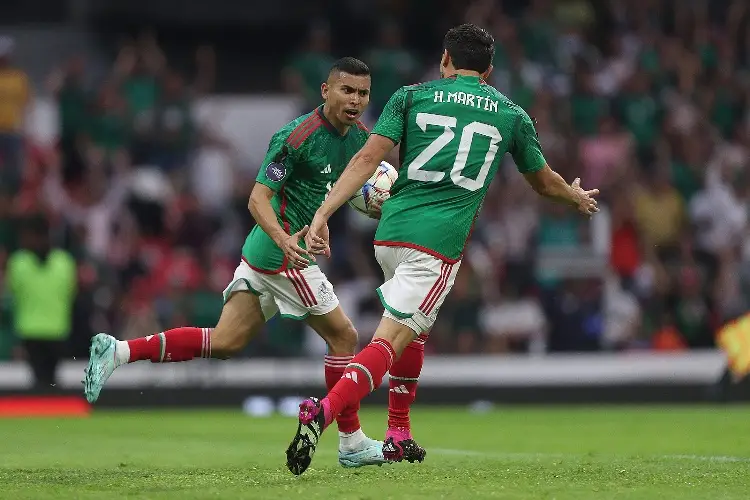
point(454, 133)
point(276, 274)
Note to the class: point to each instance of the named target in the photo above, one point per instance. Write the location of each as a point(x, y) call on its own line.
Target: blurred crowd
point(647, 101)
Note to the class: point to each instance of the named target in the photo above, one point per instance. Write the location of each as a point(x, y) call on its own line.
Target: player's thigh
point(337, 330)
point(246, 308)
point(301, 293)
point(241, 319)
point(246, 279)
point(418, 288)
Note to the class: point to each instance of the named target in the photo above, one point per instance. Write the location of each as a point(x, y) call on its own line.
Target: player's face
point(347, 96)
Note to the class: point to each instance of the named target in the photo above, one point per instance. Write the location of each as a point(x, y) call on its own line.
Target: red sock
point(363, 375)
point(172, 346)
point(403, 384)
point(348, 420)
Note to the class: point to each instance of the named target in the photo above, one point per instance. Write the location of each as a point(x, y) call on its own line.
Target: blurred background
point(131, 133)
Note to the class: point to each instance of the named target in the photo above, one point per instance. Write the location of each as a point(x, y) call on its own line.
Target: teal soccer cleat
point(370, 454)
point(101, 365)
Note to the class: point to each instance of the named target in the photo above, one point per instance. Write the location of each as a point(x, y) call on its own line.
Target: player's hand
point(375, 206)
point(585, 200)
point(317, 239)
point(296, 256)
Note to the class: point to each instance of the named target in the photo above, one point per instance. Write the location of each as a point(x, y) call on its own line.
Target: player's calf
point(240, 320)
point(360, 378)
point(355, 448)
point(403, 380)
point(404, 375)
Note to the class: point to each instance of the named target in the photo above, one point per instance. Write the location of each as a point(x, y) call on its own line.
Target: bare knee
point(337, 330)
point(343, 341)
point(240, 321)
point(397, 334)
point(227, 343)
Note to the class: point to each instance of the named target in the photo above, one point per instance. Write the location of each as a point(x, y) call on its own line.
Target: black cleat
point(408, 450)
point(311, 425)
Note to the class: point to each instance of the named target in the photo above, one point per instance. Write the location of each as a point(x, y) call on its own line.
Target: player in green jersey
point(276, 274)
point(453, 134)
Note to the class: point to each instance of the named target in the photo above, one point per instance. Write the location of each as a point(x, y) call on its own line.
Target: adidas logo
point(400, 390)
point(352, 376)
point(326, 169)
point(324, 294)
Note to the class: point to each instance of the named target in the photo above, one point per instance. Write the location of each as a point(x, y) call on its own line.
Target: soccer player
point(454, 133)
point(276, 274)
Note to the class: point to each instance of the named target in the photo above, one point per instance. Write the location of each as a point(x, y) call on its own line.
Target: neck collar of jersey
point(327, 124)
point(469, 77)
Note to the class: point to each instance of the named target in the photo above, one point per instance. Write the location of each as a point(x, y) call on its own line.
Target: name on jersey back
point(475, 101)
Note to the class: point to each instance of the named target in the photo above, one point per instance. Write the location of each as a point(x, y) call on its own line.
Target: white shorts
point(295, 293)
point(416, 284)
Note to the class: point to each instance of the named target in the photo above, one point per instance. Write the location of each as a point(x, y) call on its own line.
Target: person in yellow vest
point(42, 282)
point(14, 100)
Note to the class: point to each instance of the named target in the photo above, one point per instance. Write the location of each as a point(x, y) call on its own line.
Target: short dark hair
point(350, 65)
point(470, 47)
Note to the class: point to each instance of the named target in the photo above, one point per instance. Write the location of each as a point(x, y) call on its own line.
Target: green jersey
point(303, 161)
point(453, 134)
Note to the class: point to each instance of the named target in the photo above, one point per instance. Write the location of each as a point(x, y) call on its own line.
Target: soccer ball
point(378, 187)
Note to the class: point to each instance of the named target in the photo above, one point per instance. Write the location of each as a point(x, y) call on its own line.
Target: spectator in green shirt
point(174, 128)
point(309, 68)
point(641, 112)
point(41, 281)
point(586, 107)
point(137, 70)
point(108, 127)
point(67, 84)
point(392, 66)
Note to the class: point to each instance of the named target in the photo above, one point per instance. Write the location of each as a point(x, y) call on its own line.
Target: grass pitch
point(513, 453)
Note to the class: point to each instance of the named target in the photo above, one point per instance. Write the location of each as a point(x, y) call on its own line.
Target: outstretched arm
point(360, 168)
point(384, 137)
point(551, 185)
point(527, 153)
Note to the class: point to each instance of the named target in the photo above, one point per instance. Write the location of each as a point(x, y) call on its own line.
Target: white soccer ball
point(377, 188)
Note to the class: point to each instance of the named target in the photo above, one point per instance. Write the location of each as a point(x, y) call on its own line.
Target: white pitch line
point(526, 456)
point(707, 458)
point(499, 455)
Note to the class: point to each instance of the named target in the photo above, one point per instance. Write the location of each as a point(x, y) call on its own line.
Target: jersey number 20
point(448, 123)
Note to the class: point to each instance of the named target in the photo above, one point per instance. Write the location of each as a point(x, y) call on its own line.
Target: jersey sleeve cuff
point(536, 168)
point(382, 134)
point(269, 184)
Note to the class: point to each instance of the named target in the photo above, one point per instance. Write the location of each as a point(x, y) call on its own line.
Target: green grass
point(515, 453)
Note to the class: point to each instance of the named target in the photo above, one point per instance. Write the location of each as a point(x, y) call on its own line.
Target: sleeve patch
point(275, 171)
